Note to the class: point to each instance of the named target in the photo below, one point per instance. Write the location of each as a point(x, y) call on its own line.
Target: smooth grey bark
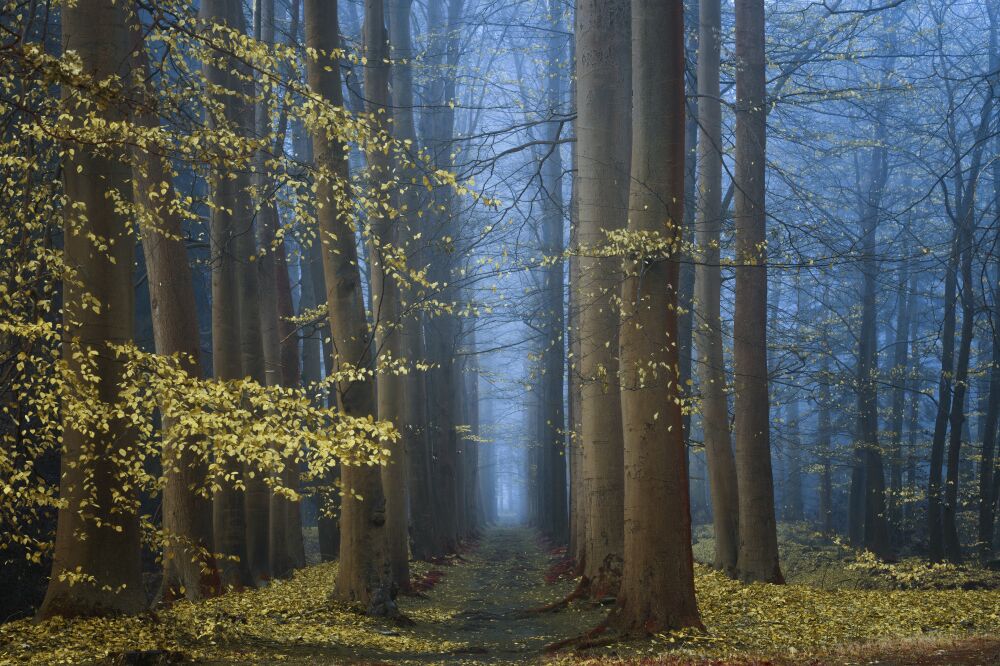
point(553, 415)
point(758, 553)
point(414, 421)
point(657, 588)
point(363, 577)
point(868, 520)
point(228, 504)
point(708, 285)
point(95, 532)
point(603, 126)
point(900, 371)
point(189, 567)
point(385, 290)
point(442, 331)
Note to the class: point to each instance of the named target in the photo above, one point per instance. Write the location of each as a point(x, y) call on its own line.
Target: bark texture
point(228, 507)
point(657, 589)
point(708, 286)
point(363, 577)
point(758, 553)
point(603, 126)
point(98, 508)
point(189, 567)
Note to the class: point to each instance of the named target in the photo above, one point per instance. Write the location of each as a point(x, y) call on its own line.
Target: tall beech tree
point(552, 418)
point(386, 303)
point(414, 422)
point(100, 514)
point(758, 552)
point(189, 566)
point(603, 150)
point(363, 577)
point(442, 329)
point(252, 306)
point(657, 590)
point(228, 508)
point(708, 296)
point(868, 519)
point(278, 340)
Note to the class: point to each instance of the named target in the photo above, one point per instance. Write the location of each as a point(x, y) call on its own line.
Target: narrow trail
point(476, 612)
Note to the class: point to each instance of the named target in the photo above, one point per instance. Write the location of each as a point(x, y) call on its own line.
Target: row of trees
point(316, 164)
point(268, 149)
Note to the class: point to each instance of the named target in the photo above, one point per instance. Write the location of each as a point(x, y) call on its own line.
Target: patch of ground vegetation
point(475, 614)
point(814, 559)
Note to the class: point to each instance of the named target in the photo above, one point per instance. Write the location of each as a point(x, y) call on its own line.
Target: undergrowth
point(472, 616)
point(813, 559)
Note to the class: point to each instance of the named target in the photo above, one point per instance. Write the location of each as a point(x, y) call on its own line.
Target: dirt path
point(476, 612)
point(476, 615)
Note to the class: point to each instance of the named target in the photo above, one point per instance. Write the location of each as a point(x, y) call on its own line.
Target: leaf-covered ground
point(474, 615)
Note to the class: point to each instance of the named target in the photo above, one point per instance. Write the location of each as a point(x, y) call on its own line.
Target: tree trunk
point(414, 421)
point(363, 577)
point(252, 307)
point(758, 553)
point(941, 516)
point(987, 465)
point(228, 507)
point(277, 541)
point(824, 428)
point(952, 546)
point(900, 370)
point(657, 589)
point(189, 568)
point(934, 525)
point(314, 368)
point(287, 549)
point(603, 67)
point(442, 331)
point(97, 530)
point(793, 475)
point(708, 286)
point(577, 488)
point(385, 293)
point(553, 357)
point(868, 484)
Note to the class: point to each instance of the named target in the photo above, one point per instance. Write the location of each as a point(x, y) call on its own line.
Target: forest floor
point(474, 614)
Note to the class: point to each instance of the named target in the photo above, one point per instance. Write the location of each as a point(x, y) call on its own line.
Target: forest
point(499, 331)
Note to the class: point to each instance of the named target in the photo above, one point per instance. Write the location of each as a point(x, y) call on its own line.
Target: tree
point(414, 422)
point(284, 540)
point(363, 577)
point(189, 566)
point(657, 589)
point(442, 330)
point(987, 465)
point(708, 285)
point(868, 520)
point(385, 291)
point(900, 369)
point(552, 422)
point(252, 307)
point(603, 127)
point(758, 553)
point(228, 508)
point(95, 566)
